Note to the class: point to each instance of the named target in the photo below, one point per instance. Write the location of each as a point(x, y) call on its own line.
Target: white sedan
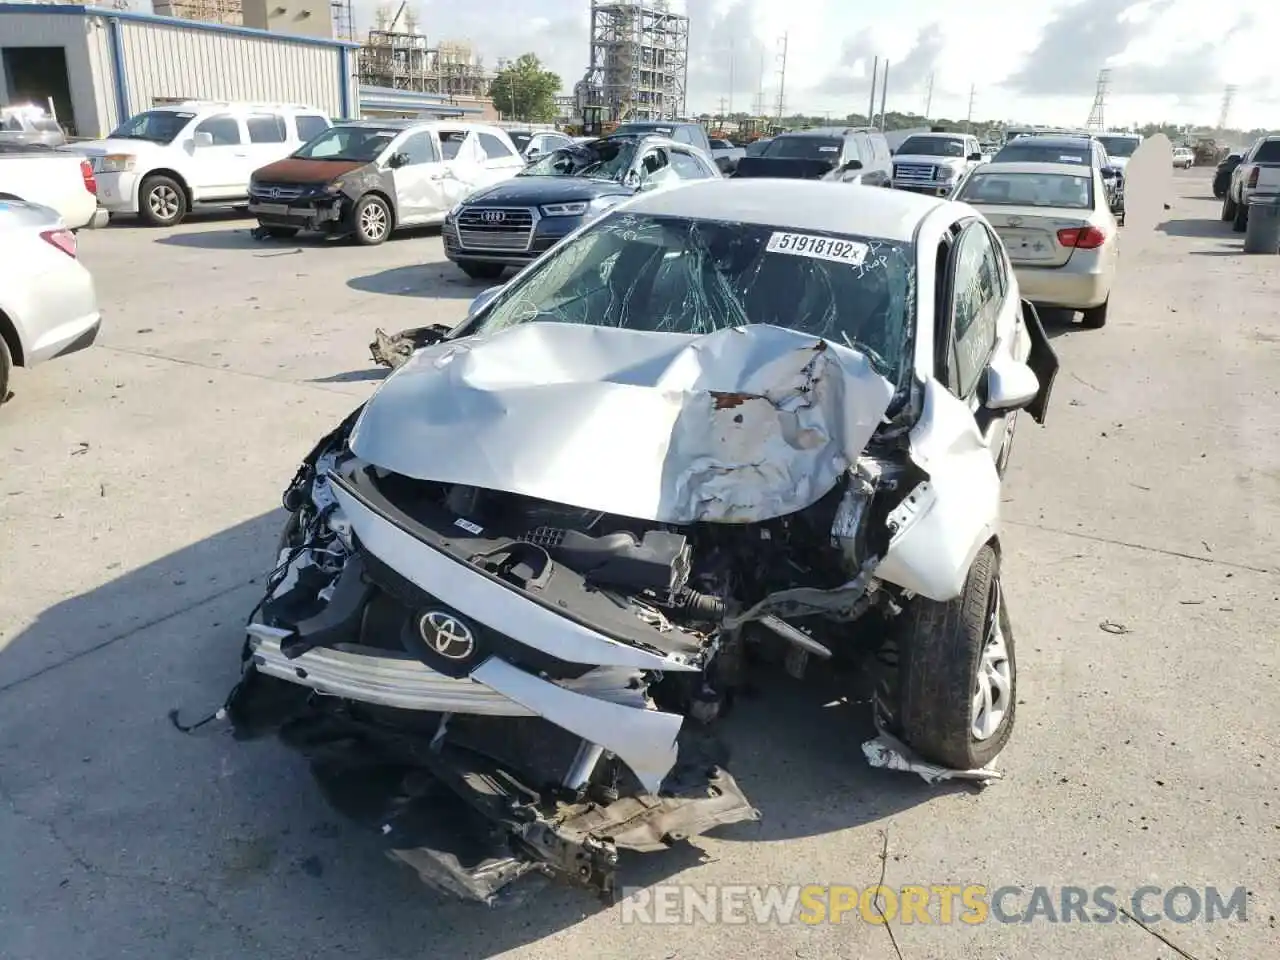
point(48, 306)
point(1058, 229)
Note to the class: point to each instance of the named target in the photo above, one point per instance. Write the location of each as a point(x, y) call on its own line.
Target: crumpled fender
point(940, 526)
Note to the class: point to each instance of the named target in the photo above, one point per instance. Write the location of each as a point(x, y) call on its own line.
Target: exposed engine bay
point(558, 758)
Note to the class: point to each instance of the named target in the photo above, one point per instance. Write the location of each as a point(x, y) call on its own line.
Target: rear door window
point(419, 148)
point(451, 142)
point(687, 167)
point(266, 128)
point(310, 126)
point(494, 148)
point(224, 128)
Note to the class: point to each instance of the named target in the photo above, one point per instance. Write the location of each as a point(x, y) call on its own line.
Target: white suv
point(163, 162)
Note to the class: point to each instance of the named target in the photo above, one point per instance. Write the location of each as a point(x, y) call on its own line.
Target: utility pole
point(759, 111)
point(968, 122)
point(722, 110)
point(731, 77)
point(782, 79)
point(884, 93)
point(871, 107)
point(928, 99)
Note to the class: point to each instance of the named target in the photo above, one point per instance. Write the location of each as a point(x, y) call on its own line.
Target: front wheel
point(949, 691)
point(371, 220)
point(162, 202)
point(477, 270)
point(6, 365)
point(1228, 207)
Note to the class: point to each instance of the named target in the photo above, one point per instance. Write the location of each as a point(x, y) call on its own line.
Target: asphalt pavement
point(139, 505)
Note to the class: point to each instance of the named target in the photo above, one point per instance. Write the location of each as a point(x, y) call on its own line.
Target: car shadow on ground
point(125, 221)
point(214, 833)
point(1058, 321)
point(354, 376)
point(243, 238)
point(1196, 227)
point(431, 280)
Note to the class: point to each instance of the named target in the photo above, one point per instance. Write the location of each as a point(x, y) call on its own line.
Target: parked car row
point(1255, 173)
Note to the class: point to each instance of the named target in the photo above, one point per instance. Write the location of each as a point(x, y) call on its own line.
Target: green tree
point(522, 90)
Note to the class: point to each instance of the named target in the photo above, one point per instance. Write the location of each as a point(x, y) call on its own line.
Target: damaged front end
point(502, 683)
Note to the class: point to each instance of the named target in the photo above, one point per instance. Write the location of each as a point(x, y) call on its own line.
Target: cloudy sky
point(1029, 61)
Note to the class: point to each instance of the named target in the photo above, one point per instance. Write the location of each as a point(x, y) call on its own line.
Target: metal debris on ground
point(888, 752)
point(1117, 628)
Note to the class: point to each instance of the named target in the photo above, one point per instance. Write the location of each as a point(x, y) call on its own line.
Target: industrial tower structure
point(1098, 113)
point(230, 12)
point(1225, 113)
point(639, 62)
point(397, 55)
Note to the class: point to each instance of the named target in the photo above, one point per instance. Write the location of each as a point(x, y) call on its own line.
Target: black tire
point(1228, 208)
point(162, 202)
point(6, 368)
point(289, 535)
point(478, 270)
point(279, 233)
point(1219, 193)
point(1240, 221)
point(927, 692)
point(1095, 318)
point(370, 220)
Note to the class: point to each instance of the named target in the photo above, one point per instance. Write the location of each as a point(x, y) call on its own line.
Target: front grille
point(277, 191)
point(495, 228)
point(914, 172)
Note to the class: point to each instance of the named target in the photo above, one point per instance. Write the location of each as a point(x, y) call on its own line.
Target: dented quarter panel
point(955, 512)
point(736, 426)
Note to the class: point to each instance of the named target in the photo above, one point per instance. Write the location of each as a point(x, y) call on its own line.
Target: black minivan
point(846, 154)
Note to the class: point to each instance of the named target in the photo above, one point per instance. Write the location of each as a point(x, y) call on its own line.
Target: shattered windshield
point(596, 159)
point(1120, 146)
point(1025, 150)
point(677, 275)
point(931, 147)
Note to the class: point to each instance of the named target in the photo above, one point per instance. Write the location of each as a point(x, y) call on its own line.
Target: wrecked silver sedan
point(518, 585)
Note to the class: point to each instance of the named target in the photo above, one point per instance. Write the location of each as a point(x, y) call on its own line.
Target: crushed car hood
point(306, 170)
point(735, 426)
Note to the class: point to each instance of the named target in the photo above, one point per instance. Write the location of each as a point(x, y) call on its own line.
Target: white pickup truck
point(63, 181)
point(1257, 175)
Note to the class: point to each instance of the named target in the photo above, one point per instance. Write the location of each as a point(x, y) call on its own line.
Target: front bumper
point(512, 252)
point(938, 189)
point(320, 214)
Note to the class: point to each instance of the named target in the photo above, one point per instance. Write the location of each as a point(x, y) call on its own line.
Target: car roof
point(1056, 139)
point(402, 124)
point(940, 135)
point(832, 132)
point(794, 204)
point(1030, 166)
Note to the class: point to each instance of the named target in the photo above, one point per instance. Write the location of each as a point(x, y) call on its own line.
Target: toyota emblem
point(446, 635)
point(493, 216)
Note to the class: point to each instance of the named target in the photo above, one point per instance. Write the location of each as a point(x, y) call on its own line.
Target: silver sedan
point(48, 305)
point(1057, 227)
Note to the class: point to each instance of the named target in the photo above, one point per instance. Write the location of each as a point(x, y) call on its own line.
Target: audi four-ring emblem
point(493, 216)
point(446, 635)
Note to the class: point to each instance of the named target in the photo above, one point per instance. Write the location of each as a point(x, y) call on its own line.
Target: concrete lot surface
point(139, 504)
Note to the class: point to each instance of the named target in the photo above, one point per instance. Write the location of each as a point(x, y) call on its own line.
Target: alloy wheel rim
point(163, 202)
point(993, 685)
point(373, 221)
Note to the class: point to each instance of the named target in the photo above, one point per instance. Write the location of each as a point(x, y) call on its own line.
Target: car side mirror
point(480, 302)
point(853, 165)
point(397, 160)
point(1108, 173)
point(975, 156)
point(631, 179)
point(1011, 385)
point(202, 140)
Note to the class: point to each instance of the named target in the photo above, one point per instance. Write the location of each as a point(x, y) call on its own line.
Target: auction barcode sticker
point(819, 248)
